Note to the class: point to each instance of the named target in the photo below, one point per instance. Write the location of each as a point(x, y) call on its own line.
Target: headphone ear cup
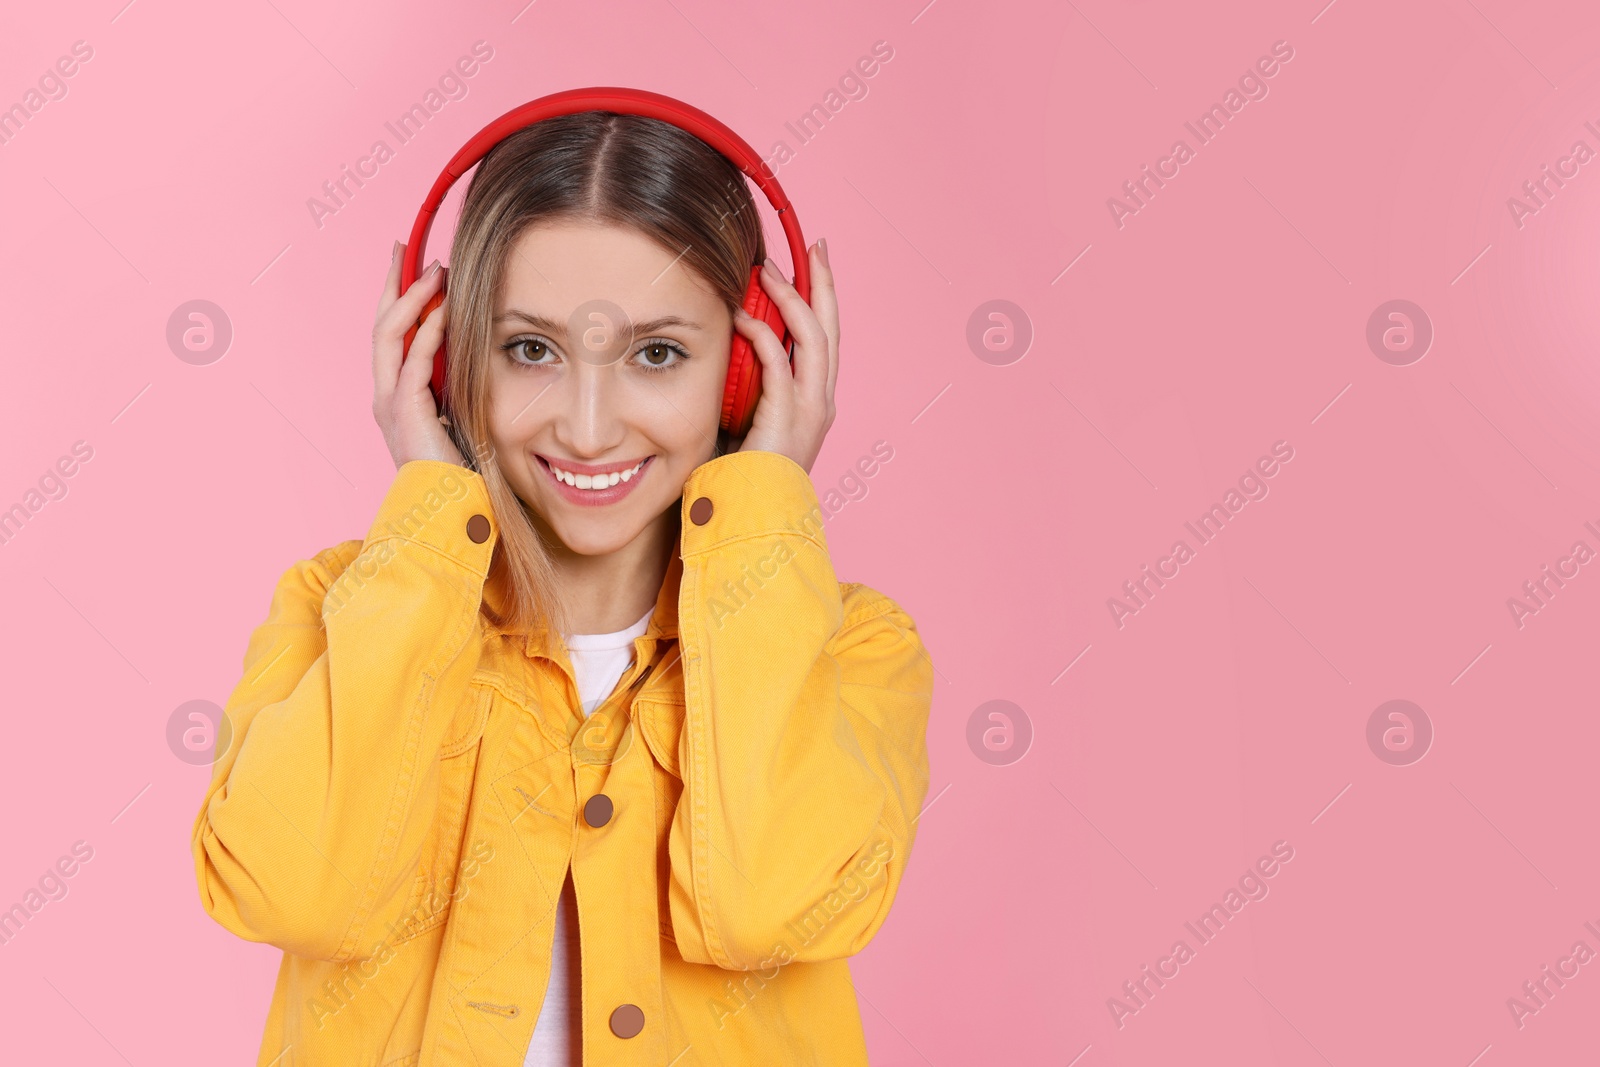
point(743, 390)
point(744, 366)
point(744, 372)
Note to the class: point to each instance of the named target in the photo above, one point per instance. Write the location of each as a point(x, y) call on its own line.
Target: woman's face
point(607, 360)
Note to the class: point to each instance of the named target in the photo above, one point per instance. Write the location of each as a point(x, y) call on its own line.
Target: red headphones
point(744, 368)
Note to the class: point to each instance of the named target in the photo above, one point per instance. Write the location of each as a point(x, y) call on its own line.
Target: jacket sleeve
point(312, 828)
point(803, 753)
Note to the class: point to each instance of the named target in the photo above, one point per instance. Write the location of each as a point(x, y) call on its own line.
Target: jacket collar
point(539, 640)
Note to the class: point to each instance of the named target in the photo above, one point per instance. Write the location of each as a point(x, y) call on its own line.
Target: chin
point(586, 540)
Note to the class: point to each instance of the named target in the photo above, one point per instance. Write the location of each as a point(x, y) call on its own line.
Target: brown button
point(478, 529)
point(597, 812)
point(627, 1020)
point(700, 511)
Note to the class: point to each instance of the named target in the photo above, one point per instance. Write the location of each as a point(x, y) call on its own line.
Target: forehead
point(555, 267)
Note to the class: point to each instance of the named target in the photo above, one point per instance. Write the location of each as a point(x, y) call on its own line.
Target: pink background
point(1229, 313)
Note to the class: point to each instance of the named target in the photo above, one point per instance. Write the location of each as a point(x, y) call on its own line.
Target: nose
point(599, 337)
point(589, 424)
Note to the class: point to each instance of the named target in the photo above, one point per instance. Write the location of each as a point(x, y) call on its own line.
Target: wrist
point(797, 456)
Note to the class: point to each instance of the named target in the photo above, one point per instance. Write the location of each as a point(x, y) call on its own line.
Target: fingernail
point(395, 251)
point(431, 268)
point(822, 250)
point(740, 313)
point(773, 266)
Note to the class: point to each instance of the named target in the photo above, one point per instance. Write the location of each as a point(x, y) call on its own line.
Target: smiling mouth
point(595, 480)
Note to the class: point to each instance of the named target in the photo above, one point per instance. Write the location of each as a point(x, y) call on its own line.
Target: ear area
point(744, 369)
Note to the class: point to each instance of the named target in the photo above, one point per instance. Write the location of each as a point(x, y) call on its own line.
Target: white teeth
point(595, 481)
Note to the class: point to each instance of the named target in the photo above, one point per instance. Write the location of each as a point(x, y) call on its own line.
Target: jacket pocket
point(442, 868)
point(660, 722)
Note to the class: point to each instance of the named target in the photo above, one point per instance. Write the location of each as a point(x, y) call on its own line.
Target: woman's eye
point(528, 351)
point(658, 355)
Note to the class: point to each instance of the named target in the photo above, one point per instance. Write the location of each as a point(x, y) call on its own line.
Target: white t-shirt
point(598, 660)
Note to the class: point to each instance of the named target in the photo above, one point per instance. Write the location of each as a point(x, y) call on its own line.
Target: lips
point(593, 479)
point(591, 484)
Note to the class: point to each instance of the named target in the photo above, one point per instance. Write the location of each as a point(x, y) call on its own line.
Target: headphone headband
point(623, 101)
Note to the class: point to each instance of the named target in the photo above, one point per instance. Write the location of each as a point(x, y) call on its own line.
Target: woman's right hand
point(402, 402)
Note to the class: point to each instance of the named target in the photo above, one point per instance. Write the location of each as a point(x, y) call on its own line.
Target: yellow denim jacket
point(407, 785)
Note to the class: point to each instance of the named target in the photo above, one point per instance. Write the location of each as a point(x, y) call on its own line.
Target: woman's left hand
point(796, 406)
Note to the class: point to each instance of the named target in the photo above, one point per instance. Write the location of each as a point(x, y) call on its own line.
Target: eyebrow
point(548, 325)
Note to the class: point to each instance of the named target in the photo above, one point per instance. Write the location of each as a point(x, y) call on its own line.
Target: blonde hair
point(593, 166)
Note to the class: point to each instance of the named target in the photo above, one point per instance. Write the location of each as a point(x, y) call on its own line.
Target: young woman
point(583, 753)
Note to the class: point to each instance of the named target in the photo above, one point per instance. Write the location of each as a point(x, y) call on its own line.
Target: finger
point(825, 304)
point(391, 284)
point(391, 293)
point(777, 381)
point(811, 344)
point(405, 311)
point(418, 368)
point(388, 335)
